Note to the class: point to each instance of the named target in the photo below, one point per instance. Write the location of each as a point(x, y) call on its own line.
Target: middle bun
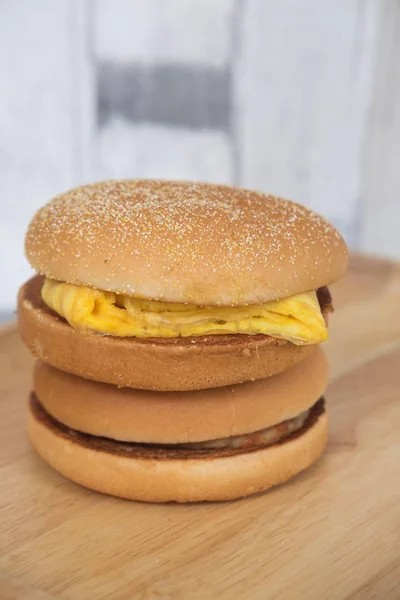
point(171, 418)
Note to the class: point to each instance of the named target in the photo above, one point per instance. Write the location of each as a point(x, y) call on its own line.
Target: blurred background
point(300, 98)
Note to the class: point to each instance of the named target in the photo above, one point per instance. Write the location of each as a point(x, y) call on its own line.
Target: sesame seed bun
point(180, 417)
point(172, 364)
point(184, 242)
point(159, 474)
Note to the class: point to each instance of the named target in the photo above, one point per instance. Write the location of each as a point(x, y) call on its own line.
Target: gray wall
point(297, 97)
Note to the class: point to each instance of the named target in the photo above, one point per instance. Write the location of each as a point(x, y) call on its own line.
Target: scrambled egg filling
point(297, 319)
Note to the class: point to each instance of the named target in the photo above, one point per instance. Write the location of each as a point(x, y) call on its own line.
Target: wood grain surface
point(331, 533)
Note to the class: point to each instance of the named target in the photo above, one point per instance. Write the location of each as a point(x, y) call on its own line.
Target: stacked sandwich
point(176, 328)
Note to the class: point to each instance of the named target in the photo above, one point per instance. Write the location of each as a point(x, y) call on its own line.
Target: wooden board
point(333, 532)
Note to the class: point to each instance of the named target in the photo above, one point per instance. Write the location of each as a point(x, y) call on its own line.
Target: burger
point(177, 329)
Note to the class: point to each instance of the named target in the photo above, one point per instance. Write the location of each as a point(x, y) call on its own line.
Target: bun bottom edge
point(178, 480)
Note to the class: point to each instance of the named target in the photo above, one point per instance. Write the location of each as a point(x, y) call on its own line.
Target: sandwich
point(176, 327)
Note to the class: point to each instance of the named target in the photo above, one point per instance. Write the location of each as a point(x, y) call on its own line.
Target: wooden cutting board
point(331, 533)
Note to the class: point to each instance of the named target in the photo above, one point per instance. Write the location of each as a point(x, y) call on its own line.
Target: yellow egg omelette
point(297, 319)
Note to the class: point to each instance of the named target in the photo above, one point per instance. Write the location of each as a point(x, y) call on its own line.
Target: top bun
point(184, 242)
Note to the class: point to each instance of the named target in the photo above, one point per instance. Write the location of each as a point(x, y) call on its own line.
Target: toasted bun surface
point(184, 242)
point(156, 474)
point(180, 417)
point(151, 364)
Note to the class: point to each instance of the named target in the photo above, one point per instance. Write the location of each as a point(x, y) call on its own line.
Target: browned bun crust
point(174, 364)
point(184, 242)
point(180, 417)
point(157, 474)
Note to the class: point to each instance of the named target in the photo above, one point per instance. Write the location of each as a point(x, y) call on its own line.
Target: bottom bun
point(162, 474)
